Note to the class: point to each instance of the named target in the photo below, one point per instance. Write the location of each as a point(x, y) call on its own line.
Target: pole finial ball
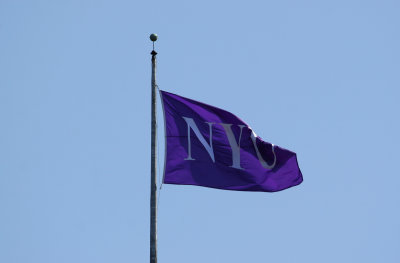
point(153, 37)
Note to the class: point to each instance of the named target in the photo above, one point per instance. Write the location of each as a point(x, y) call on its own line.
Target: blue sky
point(320, 78)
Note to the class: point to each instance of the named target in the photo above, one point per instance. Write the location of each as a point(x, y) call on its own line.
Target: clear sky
point(320, 78)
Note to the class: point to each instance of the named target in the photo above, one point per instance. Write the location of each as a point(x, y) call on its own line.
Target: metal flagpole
point(153, 198)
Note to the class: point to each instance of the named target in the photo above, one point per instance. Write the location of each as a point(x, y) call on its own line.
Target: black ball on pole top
point(153, 37)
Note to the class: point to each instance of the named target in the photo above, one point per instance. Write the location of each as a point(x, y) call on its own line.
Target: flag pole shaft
point(153, 197)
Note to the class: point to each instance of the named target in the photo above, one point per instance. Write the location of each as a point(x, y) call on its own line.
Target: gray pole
point(153, 198)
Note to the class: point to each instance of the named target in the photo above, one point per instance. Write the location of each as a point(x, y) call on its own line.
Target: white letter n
point(209, 147)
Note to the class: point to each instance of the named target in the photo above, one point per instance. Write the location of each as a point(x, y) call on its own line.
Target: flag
point(211, 147)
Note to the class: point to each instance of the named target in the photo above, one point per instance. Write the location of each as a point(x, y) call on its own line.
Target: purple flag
point(211, 147)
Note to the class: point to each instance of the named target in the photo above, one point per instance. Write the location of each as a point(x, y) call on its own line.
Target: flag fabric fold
point(211, 147)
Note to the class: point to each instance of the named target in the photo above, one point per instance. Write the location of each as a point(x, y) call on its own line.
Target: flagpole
point(153, 197)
